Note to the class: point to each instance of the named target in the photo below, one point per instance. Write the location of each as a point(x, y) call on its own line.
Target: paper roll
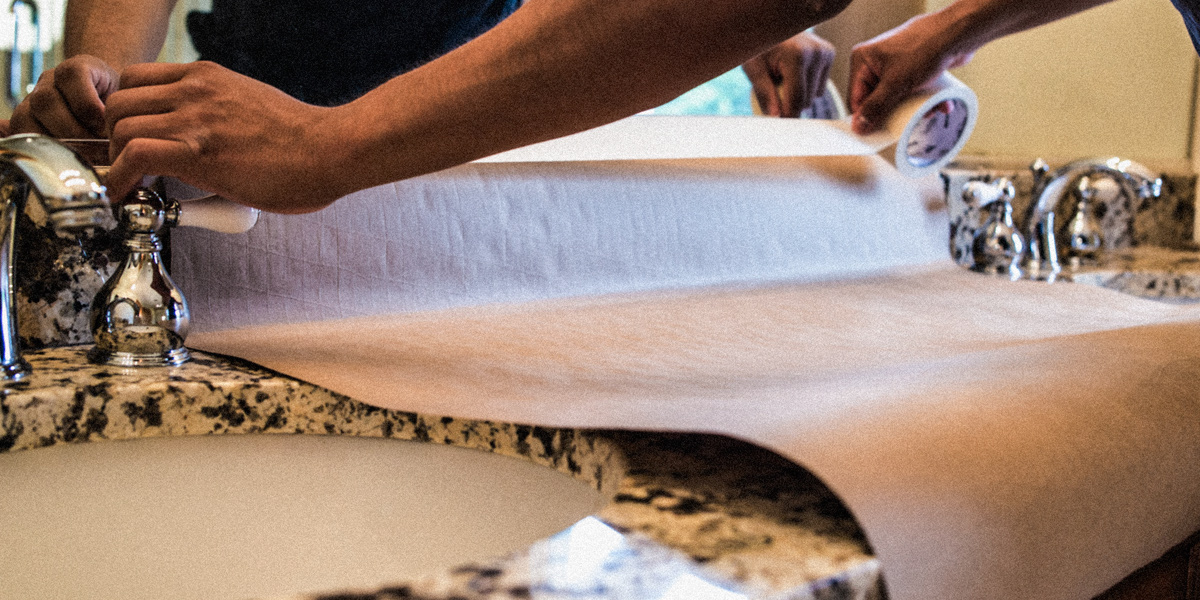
point(928, 130)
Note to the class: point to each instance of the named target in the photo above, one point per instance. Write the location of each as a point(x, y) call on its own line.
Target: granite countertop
point(1163, 274)
point(701, 510)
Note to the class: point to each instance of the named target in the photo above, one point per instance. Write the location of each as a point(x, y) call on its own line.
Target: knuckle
point(41, 100)
point(203, 67)
point(20, 121)
point(70, 68)
point(120, 133)
point(136, 152)
point(197, 88)
point(45, 79)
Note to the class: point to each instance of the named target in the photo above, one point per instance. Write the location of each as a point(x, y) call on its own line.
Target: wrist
point(339, 153)
point(965, 26)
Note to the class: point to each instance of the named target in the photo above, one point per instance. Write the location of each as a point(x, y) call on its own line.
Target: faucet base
point(10, 374)
point(168, 358)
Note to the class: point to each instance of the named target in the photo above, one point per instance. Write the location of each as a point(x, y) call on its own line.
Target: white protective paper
point(996, 439)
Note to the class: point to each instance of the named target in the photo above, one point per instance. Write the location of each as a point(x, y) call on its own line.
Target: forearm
point(555, 67)
point(120, 32)
point(970, 24)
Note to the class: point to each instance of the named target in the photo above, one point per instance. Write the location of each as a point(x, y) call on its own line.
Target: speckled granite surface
point(57, 277)
point(1147, 272)
point(690, 515)
point(1148, 250)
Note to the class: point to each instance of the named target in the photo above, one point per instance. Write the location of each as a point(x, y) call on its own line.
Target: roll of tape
point(930, 128)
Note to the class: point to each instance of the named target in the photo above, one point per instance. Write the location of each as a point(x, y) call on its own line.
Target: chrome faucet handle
point(212, 212)
point(139, 317)
point(998, 246)
point(981, 193)
point(1040, 171)
point(1084, 230)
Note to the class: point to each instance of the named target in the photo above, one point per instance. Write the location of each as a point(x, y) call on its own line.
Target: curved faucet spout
point(71, 195)
point(70, 191)
point(1134, 180)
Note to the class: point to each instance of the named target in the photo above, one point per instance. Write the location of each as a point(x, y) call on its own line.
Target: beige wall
point(178, 47)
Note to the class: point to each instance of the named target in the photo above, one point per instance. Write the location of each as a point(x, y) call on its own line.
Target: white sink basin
point(239, 516)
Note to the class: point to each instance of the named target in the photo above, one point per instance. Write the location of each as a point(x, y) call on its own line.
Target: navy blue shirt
point(329, 52)
point(1190, 9)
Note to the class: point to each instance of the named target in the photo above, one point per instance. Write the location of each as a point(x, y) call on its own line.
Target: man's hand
point(789, 76)
point(889, 68)
point(68, 102)
point(224, 133)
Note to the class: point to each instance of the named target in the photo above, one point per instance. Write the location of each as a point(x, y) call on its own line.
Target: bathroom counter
point(1148, 272)
point(691, 514)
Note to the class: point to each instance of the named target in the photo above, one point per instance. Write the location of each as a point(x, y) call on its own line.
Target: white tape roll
point(928, 130)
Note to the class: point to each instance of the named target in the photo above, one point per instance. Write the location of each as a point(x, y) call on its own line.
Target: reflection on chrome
point(690, 587)
point(590, 559)
point(589, 544)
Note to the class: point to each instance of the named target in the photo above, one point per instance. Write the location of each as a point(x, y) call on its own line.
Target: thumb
point(877, 106)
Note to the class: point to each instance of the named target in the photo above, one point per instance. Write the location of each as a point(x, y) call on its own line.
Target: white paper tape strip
point(928, 130)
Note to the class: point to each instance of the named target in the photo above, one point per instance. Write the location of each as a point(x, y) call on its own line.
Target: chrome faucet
point(72, 197)
point(1051, 193)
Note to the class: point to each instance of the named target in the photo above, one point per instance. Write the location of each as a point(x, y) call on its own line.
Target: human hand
point(224, 133)
point(68, 101)
point(789, 76)
point(887, 69)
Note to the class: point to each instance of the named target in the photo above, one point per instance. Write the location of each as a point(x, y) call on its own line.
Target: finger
point(165, 126)
point(145, 156)
point(144, 74)
point(763, 86)
point(50, 109)
point(24, 122)
point(863, 78)
point(874, 110)
point(44, 111)
point(792, 92)
point(81, 95)
point(85, 82)
point(141, 101)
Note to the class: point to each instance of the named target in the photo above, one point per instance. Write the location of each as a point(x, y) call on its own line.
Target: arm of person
point(554, 67)
point(888, 68)
point(788, 77)
point(100, 38)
